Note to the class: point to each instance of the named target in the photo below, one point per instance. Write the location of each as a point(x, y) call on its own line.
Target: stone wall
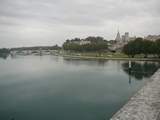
point(145, 104)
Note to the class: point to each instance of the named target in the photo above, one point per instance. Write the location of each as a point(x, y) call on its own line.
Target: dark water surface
point(54, 88)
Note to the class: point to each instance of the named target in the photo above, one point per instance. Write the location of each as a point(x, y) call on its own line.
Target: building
point(132, 38)
point(80, 42)
point(152, 37)
point(84, 42)
point(125, 37)
point(118, 38)
point(122, 40)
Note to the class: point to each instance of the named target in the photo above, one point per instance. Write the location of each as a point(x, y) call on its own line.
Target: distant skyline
point(50, 22)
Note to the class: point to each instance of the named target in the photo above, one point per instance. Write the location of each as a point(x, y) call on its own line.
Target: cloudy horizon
point(50, 22)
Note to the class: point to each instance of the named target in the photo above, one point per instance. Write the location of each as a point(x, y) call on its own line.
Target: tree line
point(96, 44)
point(4, 52)
point(142, 46)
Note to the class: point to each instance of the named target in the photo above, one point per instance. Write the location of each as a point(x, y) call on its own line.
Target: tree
point(128, 50)
point(137, 45)
point(157, 46)
point(133, 47)
point(4, 53)
point(147, 47)
point(97, 44)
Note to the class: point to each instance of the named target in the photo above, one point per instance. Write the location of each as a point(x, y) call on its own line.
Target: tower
point(126, 36)
point(118, 37)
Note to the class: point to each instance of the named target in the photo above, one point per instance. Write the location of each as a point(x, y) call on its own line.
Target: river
point(55, 88)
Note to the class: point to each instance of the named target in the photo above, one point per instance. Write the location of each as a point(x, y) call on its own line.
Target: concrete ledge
point(110, 58)
point(145, 104)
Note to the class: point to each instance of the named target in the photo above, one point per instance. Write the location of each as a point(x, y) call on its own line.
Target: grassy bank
point(107, 56)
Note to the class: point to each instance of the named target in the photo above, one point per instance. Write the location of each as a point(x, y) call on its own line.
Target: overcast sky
point(49, 22)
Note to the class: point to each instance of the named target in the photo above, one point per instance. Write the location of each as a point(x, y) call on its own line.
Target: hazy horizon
point(50, 22)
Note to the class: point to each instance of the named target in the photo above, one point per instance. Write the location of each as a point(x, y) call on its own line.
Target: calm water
point(54, 88)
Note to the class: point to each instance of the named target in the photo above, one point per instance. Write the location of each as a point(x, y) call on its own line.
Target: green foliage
point(133, 47)
point(4, 53)
point(96, 44)
point(147, 46)
point(141, 46)
point(157, 47)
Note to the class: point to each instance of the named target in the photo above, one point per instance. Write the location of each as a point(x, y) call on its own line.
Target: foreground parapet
point(145, 104)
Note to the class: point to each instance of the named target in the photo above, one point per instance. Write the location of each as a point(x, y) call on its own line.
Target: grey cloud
point(76, 17)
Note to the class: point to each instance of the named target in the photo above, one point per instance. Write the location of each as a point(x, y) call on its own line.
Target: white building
point(152, 37)
point(132, 38)
point(84, 42)
point(80, 42)
point(75, 41)
point(125, 37)
point(122, 40)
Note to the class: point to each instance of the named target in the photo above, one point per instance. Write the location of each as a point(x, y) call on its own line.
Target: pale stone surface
point(145, 104)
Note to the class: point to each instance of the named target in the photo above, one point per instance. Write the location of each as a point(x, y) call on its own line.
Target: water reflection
point(56, 88)
point(4, 56)
point(89, 62)
point(140, 70)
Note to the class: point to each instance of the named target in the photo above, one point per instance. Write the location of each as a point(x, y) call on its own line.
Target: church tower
point(118, 37)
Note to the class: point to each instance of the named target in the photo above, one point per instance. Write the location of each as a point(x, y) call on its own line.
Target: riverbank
point(110, 58)
point(145, 104)
point(87, 55)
